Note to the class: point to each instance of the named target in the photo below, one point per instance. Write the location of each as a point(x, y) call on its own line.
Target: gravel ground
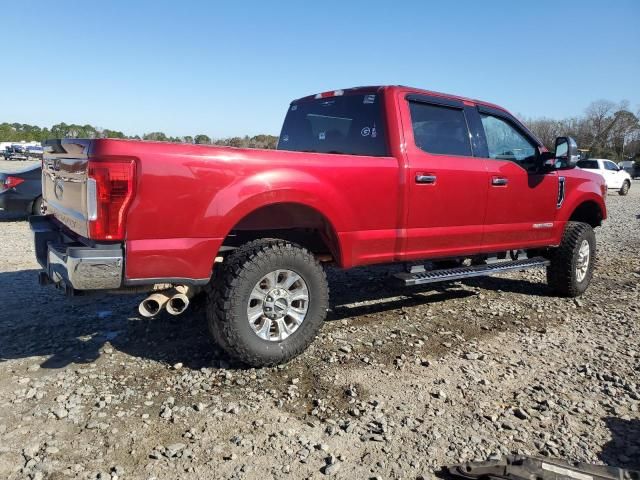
point(399, 383)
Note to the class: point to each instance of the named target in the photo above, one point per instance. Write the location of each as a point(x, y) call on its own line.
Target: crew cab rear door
point(447, 186)
point(522, 203)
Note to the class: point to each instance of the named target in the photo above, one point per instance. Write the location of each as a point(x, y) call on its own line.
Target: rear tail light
point(110, 189)
point(11, 182)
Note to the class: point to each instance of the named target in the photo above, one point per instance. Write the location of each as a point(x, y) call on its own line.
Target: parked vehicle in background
point(615, 177)
point(631, 167)
point(15, 152)
point(21, 193)
point(361, 176)
point(626, 165)
point(34, 152)
point(22, 151)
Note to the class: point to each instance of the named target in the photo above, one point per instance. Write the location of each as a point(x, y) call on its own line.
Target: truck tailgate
point(64, 182)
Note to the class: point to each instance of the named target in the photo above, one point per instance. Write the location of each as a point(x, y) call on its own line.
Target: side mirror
point(566, 153)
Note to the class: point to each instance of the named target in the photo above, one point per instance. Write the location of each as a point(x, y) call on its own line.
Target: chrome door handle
point(499, 181)
point(420, 178)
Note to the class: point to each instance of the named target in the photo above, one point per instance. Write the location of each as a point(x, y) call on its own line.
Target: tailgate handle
point(428, 179)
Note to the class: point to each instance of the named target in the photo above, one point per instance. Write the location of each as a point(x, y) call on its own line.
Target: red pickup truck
point(449, 186)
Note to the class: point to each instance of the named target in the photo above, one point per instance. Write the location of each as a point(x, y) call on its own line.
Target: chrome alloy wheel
point(582, 263)
point(278, 305)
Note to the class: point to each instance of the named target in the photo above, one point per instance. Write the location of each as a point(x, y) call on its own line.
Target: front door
point(612, 174)
point(447, 186)
point(521, 202)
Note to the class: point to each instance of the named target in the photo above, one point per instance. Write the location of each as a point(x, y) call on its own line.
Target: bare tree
point(606, 130)
point(599, 120)
point(546, 129)
point(625, 127)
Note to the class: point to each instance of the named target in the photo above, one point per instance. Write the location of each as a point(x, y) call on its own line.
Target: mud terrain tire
point(233, 288)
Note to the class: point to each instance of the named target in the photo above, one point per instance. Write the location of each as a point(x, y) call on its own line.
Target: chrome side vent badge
point(561, 182)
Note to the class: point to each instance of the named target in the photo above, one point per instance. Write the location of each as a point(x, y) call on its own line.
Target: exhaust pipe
point(179, 302)
point(152, 305)
point(175, 300)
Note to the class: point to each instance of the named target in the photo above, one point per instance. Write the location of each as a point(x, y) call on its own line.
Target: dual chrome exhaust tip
point(175, 301)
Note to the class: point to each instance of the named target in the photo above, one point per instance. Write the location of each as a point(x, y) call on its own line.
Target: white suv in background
point(615, 177)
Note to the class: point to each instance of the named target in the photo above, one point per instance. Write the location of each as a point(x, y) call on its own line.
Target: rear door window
point(440, 129)
point(346, 124)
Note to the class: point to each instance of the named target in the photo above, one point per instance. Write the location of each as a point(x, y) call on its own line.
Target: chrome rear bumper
point(72, 264)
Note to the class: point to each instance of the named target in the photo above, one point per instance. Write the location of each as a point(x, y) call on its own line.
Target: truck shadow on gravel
point(42, 322)
point(368, 290)
point(510, 285)
point(623, 450)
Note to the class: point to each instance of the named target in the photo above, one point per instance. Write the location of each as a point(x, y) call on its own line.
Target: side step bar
point(448, 274)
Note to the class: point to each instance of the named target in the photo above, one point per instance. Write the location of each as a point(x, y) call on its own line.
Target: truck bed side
point(189, 197)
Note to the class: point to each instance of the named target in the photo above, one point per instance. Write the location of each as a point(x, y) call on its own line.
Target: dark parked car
point(21, 193)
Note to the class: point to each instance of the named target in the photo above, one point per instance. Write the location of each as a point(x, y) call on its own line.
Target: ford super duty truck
point(448, 186)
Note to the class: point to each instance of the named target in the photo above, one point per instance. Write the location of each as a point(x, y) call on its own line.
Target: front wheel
point(267, 302)
point(572, 263)
point(625, 188)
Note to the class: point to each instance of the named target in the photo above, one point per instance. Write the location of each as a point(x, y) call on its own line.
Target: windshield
point(349, 124)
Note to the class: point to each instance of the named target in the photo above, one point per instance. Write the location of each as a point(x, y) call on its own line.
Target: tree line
point(605, 130)
point(16, 132)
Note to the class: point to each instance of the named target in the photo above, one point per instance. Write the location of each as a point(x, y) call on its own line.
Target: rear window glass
point(439, 129)
point(592, 164)
point(349, 124)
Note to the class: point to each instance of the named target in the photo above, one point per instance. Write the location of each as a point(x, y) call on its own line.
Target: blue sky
point(230, 68)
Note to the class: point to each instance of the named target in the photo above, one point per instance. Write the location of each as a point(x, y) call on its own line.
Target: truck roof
point(404, 88)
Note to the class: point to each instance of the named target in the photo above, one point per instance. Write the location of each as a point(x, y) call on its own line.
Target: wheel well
point(587, 212)
point(288, 221)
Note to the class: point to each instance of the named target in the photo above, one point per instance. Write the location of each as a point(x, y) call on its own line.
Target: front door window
point(505, 142)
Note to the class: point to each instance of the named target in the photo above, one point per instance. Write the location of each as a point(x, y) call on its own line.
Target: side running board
point(448, 274)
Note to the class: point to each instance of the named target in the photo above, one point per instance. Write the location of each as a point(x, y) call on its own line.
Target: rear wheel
point(39, 207)
point(267, 302)
point(625, 188)
point(572, 263)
